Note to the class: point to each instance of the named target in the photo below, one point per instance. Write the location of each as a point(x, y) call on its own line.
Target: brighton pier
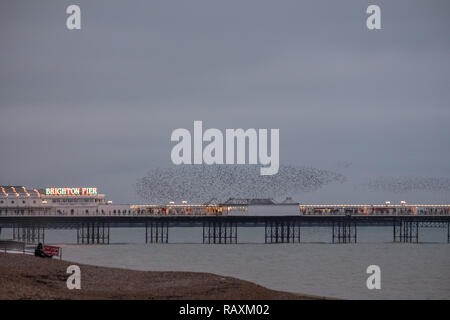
point(29, 213)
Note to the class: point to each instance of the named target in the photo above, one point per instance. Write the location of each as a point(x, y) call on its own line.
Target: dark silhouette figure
point(39, 251)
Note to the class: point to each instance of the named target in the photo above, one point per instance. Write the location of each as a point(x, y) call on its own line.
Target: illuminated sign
point(71, 191)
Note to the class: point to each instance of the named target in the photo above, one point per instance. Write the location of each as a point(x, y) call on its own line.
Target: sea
point(315, 266)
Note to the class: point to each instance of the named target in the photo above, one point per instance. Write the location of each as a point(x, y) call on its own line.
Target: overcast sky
point(96, 106)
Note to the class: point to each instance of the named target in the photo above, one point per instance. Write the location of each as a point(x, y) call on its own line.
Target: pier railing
point(222, 210)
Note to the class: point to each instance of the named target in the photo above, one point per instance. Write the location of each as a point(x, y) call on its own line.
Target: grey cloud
point(98, 105)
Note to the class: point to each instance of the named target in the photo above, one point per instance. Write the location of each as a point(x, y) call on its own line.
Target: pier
point(223, 229)
point(30, 212)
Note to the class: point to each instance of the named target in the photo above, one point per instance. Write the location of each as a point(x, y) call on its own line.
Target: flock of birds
point(409, 184)
point(201, 183)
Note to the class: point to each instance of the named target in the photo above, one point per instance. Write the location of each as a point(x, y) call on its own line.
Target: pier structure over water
point(29, 212)
point(93, 232)
point(224, 229)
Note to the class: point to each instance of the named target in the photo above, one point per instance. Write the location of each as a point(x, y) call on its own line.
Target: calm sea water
point(408, 271)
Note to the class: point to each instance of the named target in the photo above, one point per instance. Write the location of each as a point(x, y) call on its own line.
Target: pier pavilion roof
point(246, 201)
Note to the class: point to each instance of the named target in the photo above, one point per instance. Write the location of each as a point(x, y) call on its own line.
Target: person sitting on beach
point(39, 252)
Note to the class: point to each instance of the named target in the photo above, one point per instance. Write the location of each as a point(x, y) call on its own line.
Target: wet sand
point(28, 277)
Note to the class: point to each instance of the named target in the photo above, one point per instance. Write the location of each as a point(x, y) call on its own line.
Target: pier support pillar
point(219, 232)
point(344, 231)
point(156, 232)
point(282, 231)
point(28, 233)
point(448, 232)
point(406, 231)
point(93, 233)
